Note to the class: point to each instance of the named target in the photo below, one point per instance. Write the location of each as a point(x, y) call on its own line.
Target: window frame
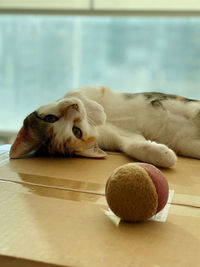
point(103, 7)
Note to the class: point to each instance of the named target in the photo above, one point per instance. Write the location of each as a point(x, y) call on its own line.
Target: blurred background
point(49, 48)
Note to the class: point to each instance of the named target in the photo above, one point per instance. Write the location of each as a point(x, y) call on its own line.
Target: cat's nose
point(69, 103)
point(75, 106)
point(70, 109)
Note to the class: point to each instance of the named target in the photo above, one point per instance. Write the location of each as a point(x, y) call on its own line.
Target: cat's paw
point(151, 152)
point(161, 156)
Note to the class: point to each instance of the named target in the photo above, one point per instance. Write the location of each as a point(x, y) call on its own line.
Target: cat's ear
point(95, 112)
point(23, 144)
point(92, 152)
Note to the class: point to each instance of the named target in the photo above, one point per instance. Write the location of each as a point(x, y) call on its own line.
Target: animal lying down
point(149, 127)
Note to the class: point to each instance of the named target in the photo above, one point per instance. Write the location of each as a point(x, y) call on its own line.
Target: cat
point(150, 127)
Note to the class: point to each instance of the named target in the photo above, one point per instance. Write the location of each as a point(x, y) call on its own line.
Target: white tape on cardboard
point(162, 215)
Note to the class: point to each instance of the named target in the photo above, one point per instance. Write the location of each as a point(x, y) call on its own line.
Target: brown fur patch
point(103, 90)
point(51, 133)
point(77, 120)
point(89, 140)
point(80, 144)
point(180, 98)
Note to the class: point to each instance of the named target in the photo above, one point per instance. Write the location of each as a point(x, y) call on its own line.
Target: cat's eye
point(77, 132)
point(50, 118)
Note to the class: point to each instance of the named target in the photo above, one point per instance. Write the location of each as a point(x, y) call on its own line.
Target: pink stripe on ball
point(160, 183)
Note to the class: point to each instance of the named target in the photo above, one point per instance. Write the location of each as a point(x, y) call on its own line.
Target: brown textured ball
point(136, 191)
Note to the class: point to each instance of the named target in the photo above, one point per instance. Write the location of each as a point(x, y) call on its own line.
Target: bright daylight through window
point(42, 57)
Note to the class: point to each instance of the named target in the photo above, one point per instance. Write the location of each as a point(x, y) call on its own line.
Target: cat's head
point(67, 126)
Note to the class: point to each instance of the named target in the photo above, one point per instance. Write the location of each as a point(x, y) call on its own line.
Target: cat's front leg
point(150, 152)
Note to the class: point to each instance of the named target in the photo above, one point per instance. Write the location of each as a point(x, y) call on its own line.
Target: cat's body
point(145, 126)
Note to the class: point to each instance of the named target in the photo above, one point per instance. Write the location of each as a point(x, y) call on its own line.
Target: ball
point(136, 191)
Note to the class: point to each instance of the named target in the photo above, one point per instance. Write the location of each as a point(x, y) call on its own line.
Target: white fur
point(140, 130)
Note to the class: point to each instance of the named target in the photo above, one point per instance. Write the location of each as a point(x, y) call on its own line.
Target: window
point(42, 57)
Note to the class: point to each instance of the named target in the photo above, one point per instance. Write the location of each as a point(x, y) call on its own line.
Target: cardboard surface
point(44, 223)
point(92, 174)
